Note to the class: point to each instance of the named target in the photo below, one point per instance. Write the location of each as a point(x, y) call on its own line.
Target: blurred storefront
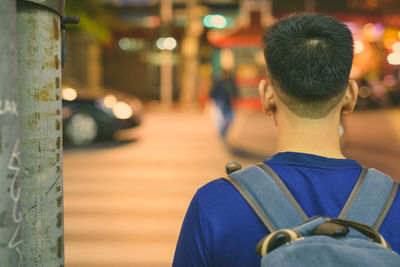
point(130, 59)
point(375, 67)
point(239, 50)
point(376, 60)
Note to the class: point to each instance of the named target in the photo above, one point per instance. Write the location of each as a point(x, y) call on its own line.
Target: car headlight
point(109, 101)
point(122, 110)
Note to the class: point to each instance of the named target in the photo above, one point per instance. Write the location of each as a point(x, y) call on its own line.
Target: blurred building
point(206, 36)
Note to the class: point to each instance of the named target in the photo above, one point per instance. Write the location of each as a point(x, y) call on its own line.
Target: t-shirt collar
point(305, 158)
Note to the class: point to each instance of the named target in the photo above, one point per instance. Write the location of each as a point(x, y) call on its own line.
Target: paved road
point(125, 201)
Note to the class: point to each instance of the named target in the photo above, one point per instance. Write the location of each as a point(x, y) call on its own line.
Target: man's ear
point(267, 97)
point(350, 98)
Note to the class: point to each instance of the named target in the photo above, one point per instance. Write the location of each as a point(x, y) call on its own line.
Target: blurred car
point(86, 119)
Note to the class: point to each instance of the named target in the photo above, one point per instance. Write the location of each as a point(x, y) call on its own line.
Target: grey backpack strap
point(268, 196)
point(371, 198)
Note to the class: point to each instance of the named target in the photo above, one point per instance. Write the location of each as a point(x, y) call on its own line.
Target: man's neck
point(318, 137)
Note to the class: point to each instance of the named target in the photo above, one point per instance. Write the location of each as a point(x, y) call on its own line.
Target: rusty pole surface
point(166, 68)
point(190, 53)
point(10, 193)
point(39, 71)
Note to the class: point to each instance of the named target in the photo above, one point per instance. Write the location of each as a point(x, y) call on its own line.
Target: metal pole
point(94, 68)
point(166, 81)
point(190, 53)
point(10, 193)
point(166, 71)
point(39, 70)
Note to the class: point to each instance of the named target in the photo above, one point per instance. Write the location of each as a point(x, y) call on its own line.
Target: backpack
point(352, 239)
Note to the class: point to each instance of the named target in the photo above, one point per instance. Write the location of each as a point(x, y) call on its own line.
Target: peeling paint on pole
point(10, 193)
point(39, 64)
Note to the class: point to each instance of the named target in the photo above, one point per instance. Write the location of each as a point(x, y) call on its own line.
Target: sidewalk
point(124, 205)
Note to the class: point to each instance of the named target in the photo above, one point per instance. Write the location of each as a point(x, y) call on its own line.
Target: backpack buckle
point(277, 239)
point(232, 167)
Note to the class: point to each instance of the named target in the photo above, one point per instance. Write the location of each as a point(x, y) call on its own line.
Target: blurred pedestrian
point(309, 58)
point(223, 92)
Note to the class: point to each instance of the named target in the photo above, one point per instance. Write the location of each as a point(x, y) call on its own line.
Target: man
point(309, 58)
point(223, 91)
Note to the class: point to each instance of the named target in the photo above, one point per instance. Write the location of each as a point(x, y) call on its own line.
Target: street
point(125, 201)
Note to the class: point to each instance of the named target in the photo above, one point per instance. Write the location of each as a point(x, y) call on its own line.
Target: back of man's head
point(309, 58)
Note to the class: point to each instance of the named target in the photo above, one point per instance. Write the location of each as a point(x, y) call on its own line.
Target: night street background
point(125, 199)
point(108, 111)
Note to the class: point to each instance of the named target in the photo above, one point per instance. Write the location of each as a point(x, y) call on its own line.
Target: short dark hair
point(309, 58)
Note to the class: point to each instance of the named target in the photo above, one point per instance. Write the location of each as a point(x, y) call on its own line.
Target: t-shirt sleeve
point(192, 248)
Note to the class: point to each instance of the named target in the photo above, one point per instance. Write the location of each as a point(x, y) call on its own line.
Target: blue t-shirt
point(220, 229)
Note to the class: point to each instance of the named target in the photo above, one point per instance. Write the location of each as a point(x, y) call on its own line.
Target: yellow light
point(370, 28)
point(394, 58)
point(109, 101)
point(122, 110)
point(388, 43)
point(227, 59)
point(396, 47)
point(358, 47)
point(364, 91)
point(69, 94)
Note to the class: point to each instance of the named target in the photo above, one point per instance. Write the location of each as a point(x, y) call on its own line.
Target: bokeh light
point(364, 91)
point(69, 94)
point(358, 47)
point(218, 21)
point(394, 58)
point(109, 101)
point(396, 47)
point(160, 43)
point(389, 80)
point(126, 44)
point(215, 21)
point(369, 28)
point(168, 43)
point(388, 43)
point(122, 110)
